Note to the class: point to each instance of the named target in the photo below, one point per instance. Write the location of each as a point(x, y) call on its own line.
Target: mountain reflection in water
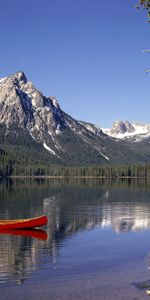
point(71, 207)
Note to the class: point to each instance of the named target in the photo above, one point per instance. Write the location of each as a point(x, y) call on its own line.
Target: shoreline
point(74, 177)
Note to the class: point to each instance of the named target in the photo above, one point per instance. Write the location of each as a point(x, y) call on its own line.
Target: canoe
point(23, 223)
point(34, 233)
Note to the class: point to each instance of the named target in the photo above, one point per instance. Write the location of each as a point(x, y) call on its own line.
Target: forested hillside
point(19, 161)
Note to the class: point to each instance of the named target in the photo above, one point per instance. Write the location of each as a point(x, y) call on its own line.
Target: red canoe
point(23, 223)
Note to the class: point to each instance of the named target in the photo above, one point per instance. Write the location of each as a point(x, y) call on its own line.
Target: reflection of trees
point(122, 218)
point(18, 257)
point(71, 206)
point(74, 210)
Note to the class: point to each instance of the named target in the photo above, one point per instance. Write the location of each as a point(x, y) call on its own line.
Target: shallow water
point(97, 246)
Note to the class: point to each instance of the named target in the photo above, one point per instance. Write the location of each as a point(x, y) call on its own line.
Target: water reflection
point(34, 233)
point(18, 257)
point(71, 207)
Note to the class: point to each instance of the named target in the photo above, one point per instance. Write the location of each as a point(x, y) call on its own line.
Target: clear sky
point(87, 53)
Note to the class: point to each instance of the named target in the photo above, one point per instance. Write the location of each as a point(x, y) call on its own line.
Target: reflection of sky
point(121, 216)
point(81, 232)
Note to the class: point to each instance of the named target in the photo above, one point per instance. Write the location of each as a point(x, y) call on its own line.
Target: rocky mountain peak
point(26, 112)
point(135, 131)
point(122, 127)
point(18, 78)
point(23, 105)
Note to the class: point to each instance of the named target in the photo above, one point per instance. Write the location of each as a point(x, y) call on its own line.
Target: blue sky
point(87, 53)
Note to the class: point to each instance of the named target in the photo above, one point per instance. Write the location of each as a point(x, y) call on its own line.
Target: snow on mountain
point(27, 116)
point(23, 106)
point(122, 130)
point(125, 130)
point(96, 129)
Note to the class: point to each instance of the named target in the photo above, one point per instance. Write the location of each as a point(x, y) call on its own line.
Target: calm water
point(97, 244)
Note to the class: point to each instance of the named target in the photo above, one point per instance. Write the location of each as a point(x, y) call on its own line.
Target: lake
point(96, 244)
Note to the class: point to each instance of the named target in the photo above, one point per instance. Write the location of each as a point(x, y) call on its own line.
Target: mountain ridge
point(125, 130)
point(29, 118)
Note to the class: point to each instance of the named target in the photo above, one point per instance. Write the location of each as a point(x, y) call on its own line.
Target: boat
point(24, 223)
point(34, 233)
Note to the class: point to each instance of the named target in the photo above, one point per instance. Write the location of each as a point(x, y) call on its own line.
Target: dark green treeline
point(14, 164)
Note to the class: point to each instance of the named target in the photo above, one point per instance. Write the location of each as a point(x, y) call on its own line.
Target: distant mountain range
point(29, 121)
point(129, 131)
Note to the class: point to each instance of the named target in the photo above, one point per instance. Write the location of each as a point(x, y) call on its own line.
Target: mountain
point(28, 117)
point(35, 125)
point(125, 130)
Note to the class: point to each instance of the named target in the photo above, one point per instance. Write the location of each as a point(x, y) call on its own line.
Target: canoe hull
point(24, 223)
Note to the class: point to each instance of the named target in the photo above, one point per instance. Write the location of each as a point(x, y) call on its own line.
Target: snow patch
point(58, 129)
point(49, 149)
point(55, 102)
point(2, 80)
point(69, 125)
point(57, 146)
point(32, 135)
point(104, 155)
point(141, 131)
point(91, 127)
